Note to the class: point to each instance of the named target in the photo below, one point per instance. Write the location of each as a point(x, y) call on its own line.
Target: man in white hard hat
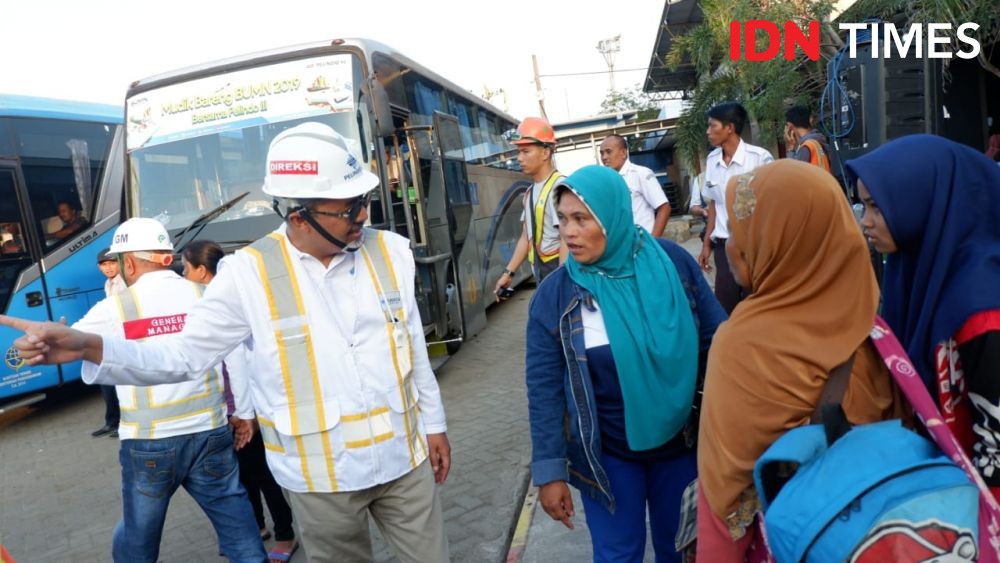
point(175, 434)
point(348, 406)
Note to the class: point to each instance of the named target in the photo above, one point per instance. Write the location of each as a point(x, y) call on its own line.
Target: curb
point(520, 539)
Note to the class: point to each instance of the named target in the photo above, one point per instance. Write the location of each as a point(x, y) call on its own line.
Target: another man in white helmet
point(175, 434)
point(348, 406)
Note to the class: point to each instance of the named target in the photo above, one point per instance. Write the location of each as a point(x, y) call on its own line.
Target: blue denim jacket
point(566, 444)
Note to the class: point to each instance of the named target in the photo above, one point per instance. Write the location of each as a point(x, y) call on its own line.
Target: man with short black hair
point(650, 207)
point(731, 157)
point(803, 142)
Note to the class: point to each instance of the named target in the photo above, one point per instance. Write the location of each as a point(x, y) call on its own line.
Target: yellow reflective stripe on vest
point(539, 215)
point(383, 276)
point(296, 354)
point(146, 413)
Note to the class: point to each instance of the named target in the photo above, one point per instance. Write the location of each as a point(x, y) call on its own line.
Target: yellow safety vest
point(539, 216)
point(309, 424)
point(146, 413)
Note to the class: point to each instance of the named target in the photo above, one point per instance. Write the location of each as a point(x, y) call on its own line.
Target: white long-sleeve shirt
point(163, 299)
point(355, 376)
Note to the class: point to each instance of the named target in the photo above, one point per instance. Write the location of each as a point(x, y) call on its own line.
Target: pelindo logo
point(883, 37)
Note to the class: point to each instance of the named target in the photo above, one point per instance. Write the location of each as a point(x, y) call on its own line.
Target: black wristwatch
point(508, 272)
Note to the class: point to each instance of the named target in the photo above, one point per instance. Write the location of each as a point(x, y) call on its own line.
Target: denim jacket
point(566, 444)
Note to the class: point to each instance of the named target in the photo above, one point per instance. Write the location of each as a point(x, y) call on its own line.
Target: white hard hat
point(139, 234)
point(312, 160)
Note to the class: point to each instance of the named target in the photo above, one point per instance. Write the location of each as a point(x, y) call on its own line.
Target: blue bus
point(61, 179)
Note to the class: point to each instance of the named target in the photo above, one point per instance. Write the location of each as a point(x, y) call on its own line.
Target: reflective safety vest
point(310, 418)
point(539, 216)
point(817, 156)
point(204, 396)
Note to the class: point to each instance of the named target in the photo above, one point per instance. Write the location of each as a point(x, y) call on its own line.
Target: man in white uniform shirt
point(174, 434)
point(731, 157)
point(650, 207)
point(349, 409)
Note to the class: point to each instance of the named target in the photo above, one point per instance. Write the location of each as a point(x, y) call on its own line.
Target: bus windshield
point(196, 144)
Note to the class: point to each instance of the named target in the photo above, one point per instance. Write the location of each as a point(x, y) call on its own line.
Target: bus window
point(460, 109)
point(13, 254)
point(425, 99)
point(61, 162)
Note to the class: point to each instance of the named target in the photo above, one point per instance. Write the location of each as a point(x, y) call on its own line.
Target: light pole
point(608, 48)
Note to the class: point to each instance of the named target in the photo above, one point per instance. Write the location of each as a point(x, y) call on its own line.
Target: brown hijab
point(813, 304)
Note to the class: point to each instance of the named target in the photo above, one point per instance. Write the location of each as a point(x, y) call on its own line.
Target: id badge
point(402, 343)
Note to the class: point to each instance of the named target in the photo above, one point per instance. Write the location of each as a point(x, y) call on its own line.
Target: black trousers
point(112, 414)
point(727, 291)
point(258, 480)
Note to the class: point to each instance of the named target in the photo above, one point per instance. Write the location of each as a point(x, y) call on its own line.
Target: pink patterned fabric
point(913, 388)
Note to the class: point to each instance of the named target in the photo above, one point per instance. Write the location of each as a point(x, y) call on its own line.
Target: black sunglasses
point(351, 213)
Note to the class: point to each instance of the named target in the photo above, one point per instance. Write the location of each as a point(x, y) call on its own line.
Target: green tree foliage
point(766, 89)
point(986, 13)
point(631, 99)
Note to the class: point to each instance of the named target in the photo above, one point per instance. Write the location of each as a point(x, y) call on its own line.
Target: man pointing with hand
point(349, 409)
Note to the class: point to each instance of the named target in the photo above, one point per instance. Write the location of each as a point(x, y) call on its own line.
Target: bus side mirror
point(380, 106)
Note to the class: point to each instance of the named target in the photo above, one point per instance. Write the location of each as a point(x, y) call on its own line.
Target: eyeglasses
point(352, 211)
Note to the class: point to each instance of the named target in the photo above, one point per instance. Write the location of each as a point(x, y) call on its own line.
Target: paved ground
point(60, 489)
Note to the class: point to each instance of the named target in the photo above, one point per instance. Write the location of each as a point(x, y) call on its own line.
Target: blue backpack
point(876, 493)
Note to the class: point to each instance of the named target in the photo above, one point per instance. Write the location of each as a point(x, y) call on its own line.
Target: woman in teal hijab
point(615, 341)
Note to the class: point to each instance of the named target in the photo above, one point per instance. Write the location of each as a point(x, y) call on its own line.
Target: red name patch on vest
point(153, 326)
point(294, 167)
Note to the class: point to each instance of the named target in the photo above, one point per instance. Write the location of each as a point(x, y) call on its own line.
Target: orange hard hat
point(534, 130)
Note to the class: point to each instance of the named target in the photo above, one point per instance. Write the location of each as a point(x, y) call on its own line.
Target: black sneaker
point(104, 430)
point(113, 434)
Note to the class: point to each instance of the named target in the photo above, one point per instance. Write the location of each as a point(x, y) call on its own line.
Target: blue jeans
point(203, 463)
point(621, 537)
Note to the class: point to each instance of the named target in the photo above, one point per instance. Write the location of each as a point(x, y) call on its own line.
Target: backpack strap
point(912, 386)
point(835, 388)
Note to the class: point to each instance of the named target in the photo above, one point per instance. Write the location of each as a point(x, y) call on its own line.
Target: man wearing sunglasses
point(349, 409)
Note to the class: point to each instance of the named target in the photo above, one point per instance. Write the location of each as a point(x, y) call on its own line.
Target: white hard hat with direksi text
point(312, 161)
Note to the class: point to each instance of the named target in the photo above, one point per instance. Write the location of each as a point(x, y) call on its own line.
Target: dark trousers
point(640, 488)
point(727, 291)
point(257, 480)
point(112, 414)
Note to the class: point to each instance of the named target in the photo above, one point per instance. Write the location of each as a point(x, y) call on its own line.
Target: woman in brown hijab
point(794, 243)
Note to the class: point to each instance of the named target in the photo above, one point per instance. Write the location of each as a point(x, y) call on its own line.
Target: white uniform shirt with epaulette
point(717, 175)
point(161, 300)
point(357, 412)
point(647, 194)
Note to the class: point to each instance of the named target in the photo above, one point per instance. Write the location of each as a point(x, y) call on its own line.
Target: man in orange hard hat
point(539, 242)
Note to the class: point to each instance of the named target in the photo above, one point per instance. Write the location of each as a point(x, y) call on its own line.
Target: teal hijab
point(646, 312)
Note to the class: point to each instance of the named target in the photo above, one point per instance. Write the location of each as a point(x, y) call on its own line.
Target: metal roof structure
point(679, 16)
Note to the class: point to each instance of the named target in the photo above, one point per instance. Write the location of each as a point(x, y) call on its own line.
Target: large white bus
point(196, 141)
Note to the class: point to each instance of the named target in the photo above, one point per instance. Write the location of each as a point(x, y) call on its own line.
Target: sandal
point(280, 556)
